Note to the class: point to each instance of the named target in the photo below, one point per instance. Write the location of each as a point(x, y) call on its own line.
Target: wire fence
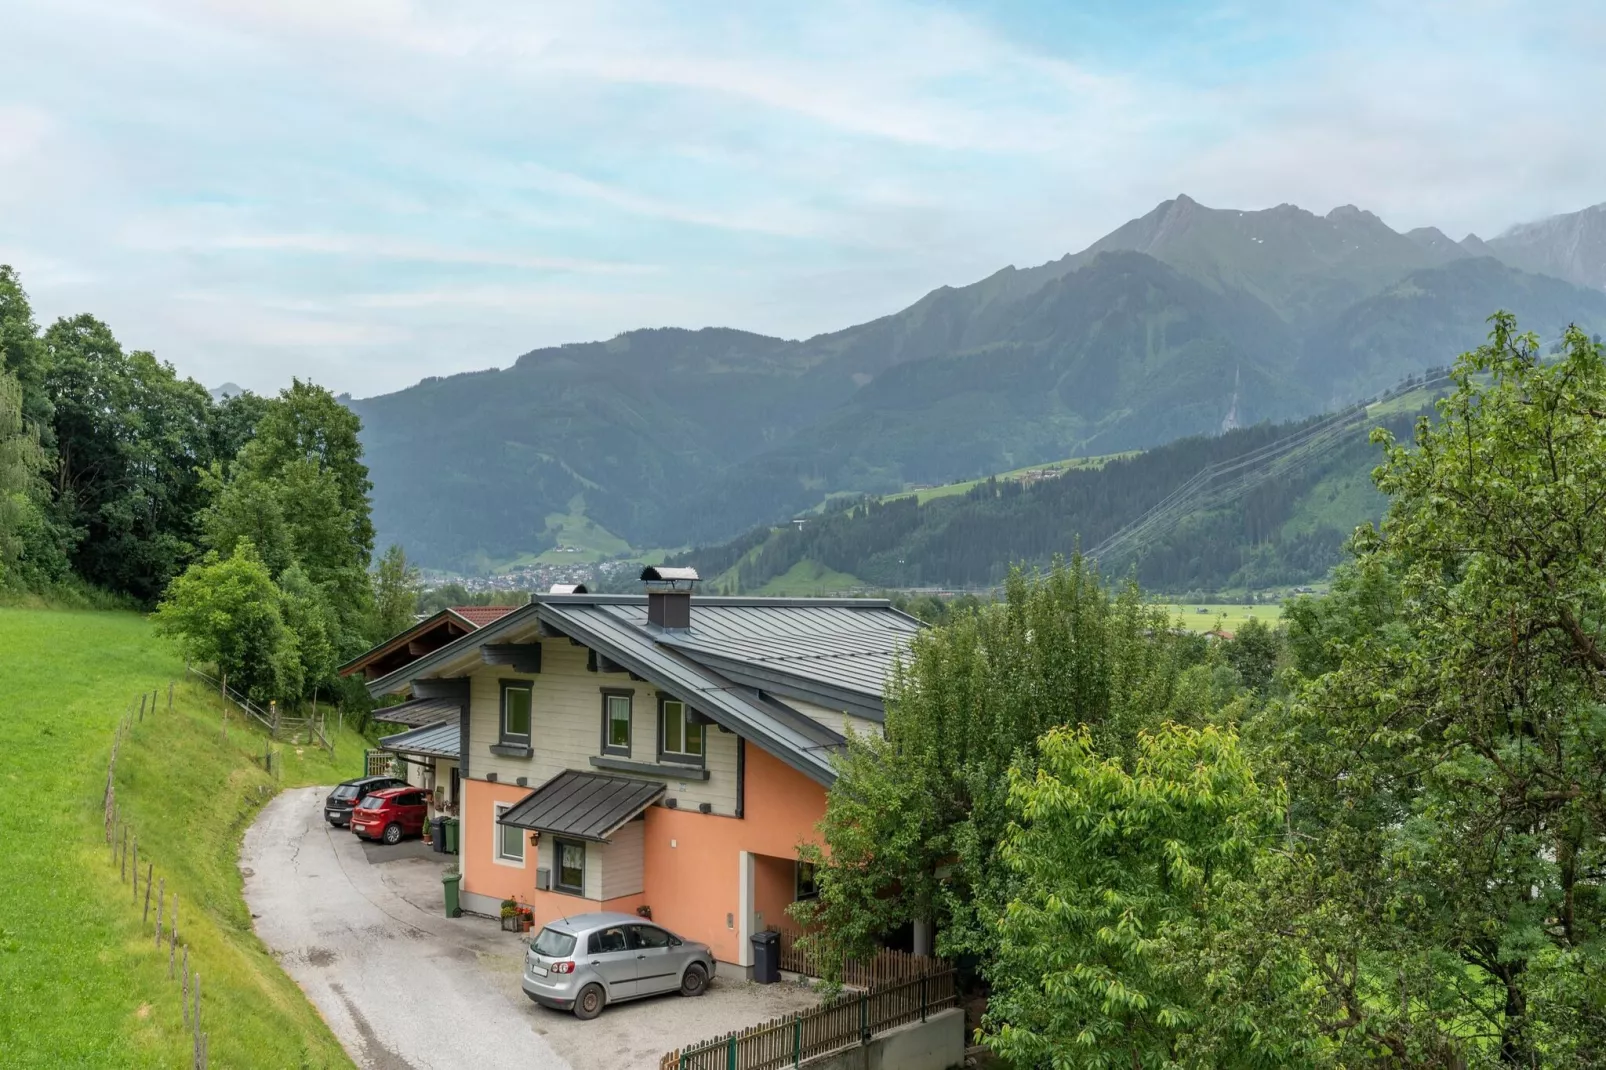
point(278, 724)
point(123, 841)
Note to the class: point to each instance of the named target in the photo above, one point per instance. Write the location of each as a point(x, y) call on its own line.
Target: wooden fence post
point(186, 984)
point(150, 868)
point(142, 706)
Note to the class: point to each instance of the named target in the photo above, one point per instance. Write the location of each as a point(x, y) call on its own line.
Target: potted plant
point(510, 915)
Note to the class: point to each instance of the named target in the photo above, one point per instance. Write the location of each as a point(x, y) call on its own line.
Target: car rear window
point(346, 791)
point(552, 944)
point(371, 802)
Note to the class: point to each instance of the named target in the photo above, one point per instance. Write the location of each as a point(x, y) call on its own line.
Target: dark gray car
point(585, 962)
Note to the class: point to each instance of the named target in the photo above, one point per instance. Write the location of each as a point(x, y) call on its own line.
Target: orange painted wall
point(692, 887)
point(482, 875)
point(774, 885)
point(550, 906)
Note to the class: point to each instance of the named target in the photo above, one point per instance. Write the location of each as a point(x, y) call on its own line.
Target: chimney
point(669, 595)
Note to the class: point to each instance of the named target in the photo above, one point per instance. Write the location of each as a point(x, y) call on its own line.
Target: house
point(429, 748)
point(662, 753)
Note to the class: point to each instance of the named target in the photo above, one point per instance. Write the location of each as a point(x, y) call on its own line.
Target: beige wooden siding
point(566, 728)
point(608, 865)
point(832, 719)
point(622, 861)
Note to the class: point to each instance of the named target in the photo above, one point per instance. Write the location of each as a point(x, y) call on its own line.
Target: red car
point(391, 814)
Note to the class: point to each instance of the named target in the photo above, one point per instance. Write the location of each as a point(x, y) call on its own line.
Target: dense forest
point(244, 521)
point(1289, 528)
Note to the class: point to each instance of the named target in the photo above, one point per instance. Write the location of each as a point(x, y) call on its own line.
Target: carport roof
point(432, 741)
point(419, 712)
point(587, 806)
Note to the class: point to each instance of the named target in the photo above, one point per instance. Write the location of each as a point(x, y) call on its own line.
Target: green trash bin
point(449, 881)
point(451, 835)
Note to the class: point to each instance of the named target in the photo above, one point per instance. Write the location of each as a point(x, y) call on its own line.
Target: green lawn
point(83, 983)
point(809, 578)
point(1203, 618)
point(926, 494)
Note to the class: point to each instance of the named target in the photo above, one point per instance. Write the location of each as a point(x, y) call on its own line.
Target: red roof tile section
point(480, 616)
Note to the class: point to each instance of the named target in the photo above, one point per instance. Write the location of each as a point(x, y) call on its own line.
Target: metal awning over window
point(586, 806)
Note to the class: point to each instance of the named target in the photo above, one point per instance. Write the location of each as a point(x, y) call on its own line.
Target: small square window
point(808, 886)
point(571, 866)
point(616, 723)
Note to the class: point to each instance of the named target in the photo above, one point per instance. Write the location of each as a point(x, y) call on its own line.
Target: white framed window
point(616, 721)
point(509, 840)
point(681, 738)
point(516, 709)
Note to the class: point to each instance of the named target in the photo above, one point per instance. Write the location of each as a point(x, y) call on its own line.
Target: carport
point(431, 756)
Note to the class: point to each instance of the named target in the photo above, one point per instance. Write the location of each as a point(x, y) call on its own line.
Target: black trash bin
point(437, 833)
point(767, 957)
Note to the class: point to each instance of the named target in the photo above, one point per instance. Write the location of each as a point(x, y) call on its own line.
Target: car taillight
point(563, 967)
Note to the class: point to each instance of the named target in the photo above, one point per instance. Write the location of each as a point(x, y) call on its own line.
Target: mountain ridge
point(1161, 329)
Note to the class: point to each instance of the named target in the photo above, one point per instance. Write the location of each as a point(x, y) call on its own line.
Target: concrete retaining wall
point(938, 1043)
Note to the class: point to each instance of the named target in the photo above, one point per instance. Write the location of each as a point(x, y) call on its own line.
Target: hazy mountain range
point(1185, 321)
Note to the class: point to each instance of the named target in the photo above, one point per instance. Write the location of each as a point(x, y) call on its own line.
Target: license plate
point(540, 970)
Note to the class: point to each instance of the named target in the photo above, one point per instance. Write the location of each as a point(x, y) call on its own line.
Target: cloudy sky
point(366, 192)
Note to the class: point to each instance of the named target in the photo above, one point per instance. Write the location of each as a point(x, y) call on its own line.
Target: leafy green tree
point(300, 487)
point(21, 461)
point(316, 628)
point(227, 611)
point(396, 586)
point(914, 820)
point(1449, 773)
point(130, 437)
point(23, 354)
point(1117, 950)
point(1254, 650)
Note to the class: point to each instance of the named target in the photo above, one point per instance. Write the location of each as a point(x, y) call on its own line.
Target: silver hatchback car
point(588, 961)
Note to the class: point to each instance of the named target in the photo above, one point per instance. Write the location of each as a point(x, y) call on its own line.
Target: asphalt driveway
point(360, 928)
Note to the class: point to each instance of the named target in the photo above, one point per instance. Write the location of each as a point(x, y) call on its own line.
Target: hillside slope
point(83, 980)
point(1287, 527)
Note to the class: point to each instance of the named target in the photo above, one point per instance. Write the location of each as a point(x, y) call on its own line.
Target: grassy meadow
point(1204, 618)
point(84, 983)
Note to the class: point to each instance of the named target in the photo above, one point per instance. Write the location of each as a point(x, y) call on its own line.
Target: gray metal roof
point(845, 649)
point(834, 652)
point(587, 806)
point(418, 712)
point(434, 741)
point(727, 704)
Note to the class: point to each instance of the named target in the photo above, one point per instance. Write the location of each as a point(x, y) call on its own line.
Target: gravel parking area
point(360, 927)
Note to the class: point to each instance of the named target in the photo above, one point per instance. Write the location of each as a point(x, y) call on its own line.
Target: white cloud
point(372, 190)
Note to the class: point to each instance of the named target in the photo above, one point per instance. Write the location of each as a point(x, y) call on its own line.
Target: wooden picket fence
point(850, 1018)
point(888, 965)
point(124, 844)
